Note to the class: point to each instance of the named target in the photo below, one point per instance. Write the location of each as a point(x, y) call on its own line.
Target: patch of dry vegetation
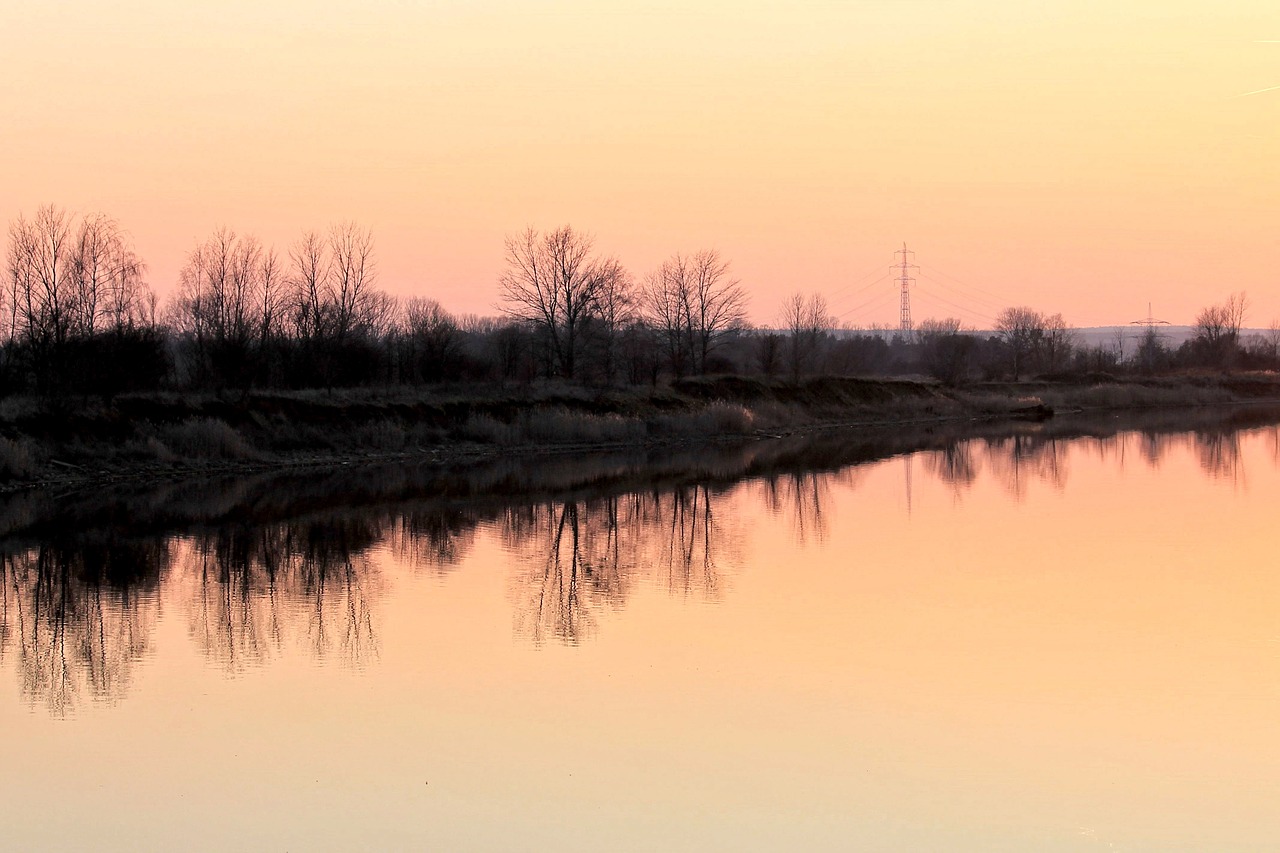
point(172, 432)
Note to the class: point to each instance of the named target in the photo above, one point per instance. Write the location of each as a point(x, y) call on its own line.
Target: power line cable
point(883, 277)
point(1003, 300)
point(871, 304)
point(986, 303)
point(984, 317)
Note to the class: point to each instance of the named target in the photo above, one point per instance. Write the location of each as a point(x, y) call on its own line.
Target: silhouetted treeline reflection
point(254, 587)
point(576, 558)
point(75, 619)
point(258, 566)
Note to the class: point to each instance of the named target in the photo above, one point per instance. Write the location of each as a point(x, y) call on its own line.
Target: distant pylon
point(1149, 321)
point(905, 280)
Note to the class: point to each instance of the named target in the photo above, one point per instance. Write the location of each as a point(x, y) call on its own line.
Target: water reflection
point(262, 565)
point(255, 588)
point(75, 620)
point(578, 558)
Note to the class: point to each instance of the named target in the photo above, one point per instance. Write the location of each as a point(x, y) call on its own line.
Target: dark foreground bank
point(165, 436)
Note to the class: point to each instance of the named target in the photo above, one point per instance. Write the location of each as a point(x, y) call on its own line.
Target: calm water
point(1060, 637)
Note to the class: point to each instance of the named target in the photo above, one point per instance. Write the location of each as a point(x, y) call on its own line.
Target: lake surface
point(1062, 636)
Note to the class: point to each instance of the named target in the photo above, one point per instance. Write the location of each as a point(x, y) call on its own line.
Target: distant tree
point(435, 340)
point(42, 290)
point(1117, 345)
point(355, 308)
point(640, 353)
point(332, 307)
point(1021, 330)
point(1217, 331)
point(945, 350)
point(228, 296)
point(695, 307)
point(808, 323)
point(1151, 355)
point(553, 282)
point(309, 287)
point(767, 349)
point(615, 312)
point(1055, 345)
point(68, 284)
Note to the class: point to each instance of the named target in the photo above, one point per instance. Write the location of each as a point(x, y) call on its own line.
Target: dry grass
point(563, 426)
point(19, 459)
point(715, 419)
point(206, 438)
point(1117, 396)
point(486, 430)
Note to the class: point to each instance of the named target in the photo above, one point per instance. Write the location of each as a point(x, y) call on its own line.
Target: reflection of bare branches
point(1019, 459)
point(582, 557)
point(954, 464)
point(437, 539)
point(1154, 446)
point(79, 618)
point(253, 584)
point(802, 496)
point(577, 572)
point(688, 553)
point(1219, 454)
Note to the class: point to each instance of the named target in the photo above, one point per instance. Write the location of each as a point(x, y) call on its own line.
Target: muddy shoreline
point(163, 439)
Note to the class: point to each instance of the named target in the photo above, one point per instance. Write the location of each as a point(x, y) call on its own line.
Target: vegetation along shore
point(166, 435)
point(260, 359)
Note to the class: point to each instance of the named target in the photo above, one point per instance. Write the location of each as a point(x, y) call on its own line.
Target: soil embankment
point(163, 436)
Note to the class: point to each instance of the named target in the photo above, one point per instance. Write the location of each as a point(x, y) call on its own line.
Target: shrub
point(18, 459)
point(207, 438)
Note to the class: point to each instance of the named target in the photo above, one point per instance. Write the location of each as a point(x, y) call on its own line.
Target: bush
point(18, 459)
point(207, 438)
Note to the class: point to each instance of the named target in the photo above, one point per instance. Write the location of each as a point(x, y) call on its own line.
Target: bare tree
point(553, 282)
point(767, 346)
point(1217, 329)
point(945, 349)
point(695, 306)
point(1117, 339)
point(308, 286)
point(1056, 343)
point(41, 278)
point(809, 322)
point(355, 306)
point(615, 311)
point(435, 340)
point(667, 308)
point(228, 299)
point(1021, 330)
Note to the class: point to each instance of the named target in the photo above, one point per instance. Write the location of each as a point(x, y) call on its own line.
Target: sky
point(1088, 158)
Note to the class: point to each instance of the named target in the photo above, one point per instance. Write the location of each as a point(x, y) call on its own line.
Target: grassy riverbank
point(161, 435)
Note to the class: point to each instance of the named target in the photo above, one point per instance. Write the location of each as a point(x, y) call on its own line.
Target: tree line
point(81, 318)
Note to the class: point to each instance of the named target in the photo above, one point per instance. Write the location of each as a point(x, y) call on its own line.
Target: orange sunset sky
point(1075, 156)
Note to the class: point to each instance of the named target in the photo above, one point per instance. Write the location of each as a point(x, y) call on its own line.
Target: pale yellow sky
point(1082, 157)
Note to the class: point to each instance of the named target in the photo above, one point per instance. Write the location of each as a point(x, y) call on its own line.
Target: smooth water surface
point(1028, 641)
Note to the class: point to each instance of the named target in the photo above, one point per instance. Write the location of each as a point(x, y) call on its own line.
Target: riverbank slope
point(156, 436)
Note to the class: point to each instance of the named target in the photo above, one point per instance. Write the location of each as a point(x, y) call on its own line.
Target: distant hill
point(1092, 336)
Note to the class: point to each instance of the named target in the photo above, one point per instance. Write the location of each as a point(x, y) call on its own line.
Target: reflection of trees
point(79, 617)
point(439, 539)
point(1154, 446)
point(687, 555)
point(1017, 460)
point(1218, 452)
point(256, 586)
point(575, 566)
point(956, 464)
point(801, 496)
point(580, 557)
